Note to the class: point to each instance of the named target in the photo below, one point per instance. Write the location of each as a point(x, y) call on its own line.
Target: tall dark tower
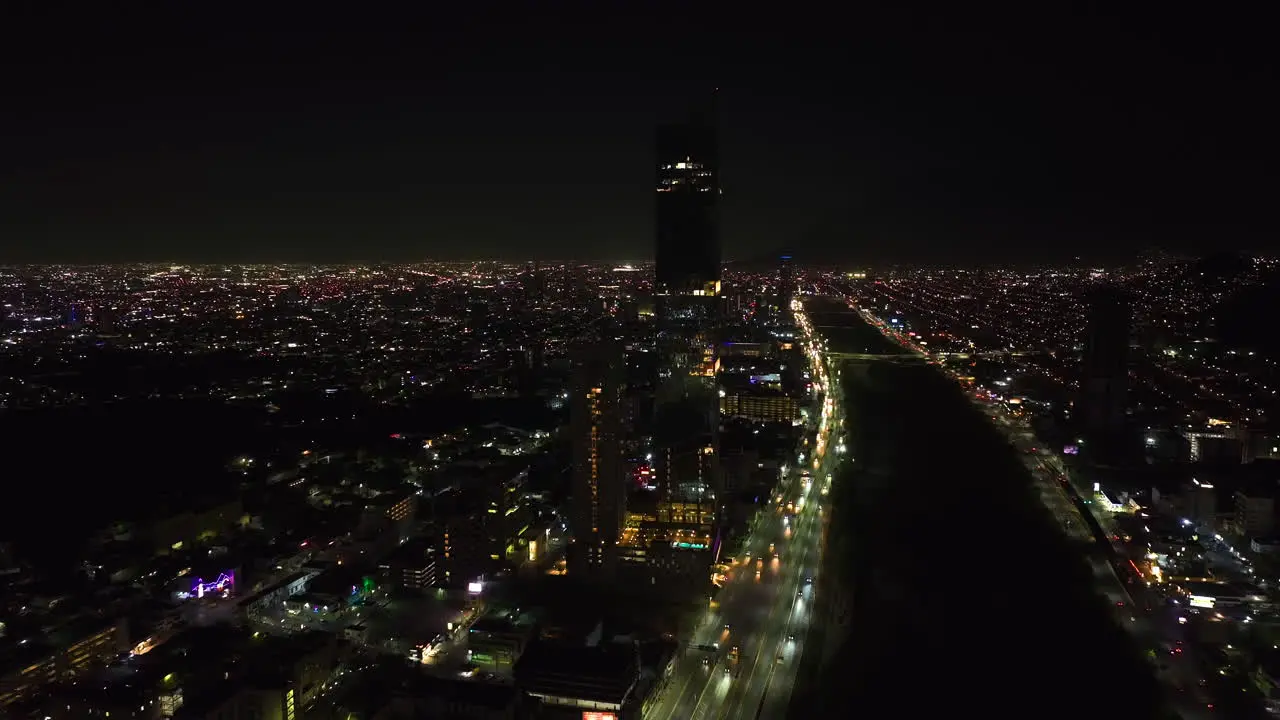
point(687, 250)
point(689, 307)
point(1104, 381)
point(786, 285)
point(595, 421)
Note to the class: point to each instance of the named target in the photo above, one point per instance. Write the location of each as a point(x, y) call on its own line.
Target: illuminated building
point(689, 468)
point(595, 421)
point(412, 566)
point(670, 545)
point(760, 407)
point(685, 447)
point(279, 682)
point(746, 349)
point(669, 542)
point(273, 596)
point(689, 300)
point(1215, 447)
point(786, 282)
point(388, 517)
point(69, 653)
point(403, 509)
point(324, 606)
point(498, 642)
point(687, 252)
point(687, 263)
point(488, 527)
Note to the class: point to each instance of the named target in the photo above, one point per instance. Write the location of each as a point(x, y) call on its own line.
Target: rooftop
point(605, 673)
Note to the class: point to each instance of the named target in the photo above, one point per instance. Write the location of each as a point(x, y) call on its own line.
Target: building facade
point(1102, 404)
point(595, 420)
point(687, 251)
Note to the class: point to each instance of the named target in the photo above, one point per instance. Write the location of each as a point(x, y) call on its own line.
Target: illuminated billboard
point(475, 588)
point(222, 586)
point(1201, 601)
point(591, 715)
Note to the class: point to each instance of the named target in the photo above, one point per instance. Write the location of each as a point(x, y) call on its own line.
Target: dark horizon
point(895, 138)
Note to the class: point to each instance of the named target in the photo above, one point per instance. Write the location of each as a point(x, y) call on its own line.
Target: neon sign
point(224, 584)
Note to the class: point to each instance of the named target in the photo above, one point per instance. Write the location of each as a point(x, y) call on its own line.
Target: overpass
point(965, 355)
point(933, 356)
point(874, 356)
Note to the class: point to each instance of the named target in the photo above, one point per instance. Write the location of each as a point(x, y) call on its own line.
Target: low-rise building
point(496, 642)
point(580, 679)
point(277, 681)
point(412, 566)
point(431, 697)
point(80, 645)
point(1255, 510)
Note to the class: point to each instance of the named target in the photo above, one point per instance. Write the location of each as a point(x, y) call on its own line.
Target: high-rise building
point(1103, 400)
point(595, 420)
point(687, 252)
point(673, 539)
point(786, 282)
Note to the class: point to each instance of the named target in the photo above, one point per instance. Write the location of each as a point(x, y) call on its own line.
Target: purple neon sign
point(224, 582)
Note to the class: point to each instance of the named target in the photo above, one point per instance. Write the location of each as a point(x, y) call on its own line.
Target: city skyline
point(769, 322)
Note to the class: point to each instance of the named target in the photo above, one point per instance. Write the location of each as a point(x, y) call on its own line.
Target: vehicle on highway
point(808, 580)
point(779, 658)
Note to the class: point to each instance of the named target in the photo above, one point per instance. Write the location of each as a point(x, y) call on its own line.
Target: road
point(1136, 608)
point(763, 609)
point(1049, 479)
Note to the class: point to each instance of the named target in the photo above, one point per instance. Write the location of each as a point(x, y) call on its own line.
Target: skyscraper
point(1104, 382)
point(687, 251)
point(677, 545)
point(595, 420)
point(786, 285)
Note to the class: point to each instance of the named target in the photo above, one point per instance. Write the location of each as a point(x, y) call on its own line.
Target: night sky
point(851, 136)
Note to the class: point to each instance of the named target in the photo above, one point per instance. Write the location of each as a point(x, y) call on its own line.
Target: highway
point(1142, 612)
point(762, 612)
point(1135, 608)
